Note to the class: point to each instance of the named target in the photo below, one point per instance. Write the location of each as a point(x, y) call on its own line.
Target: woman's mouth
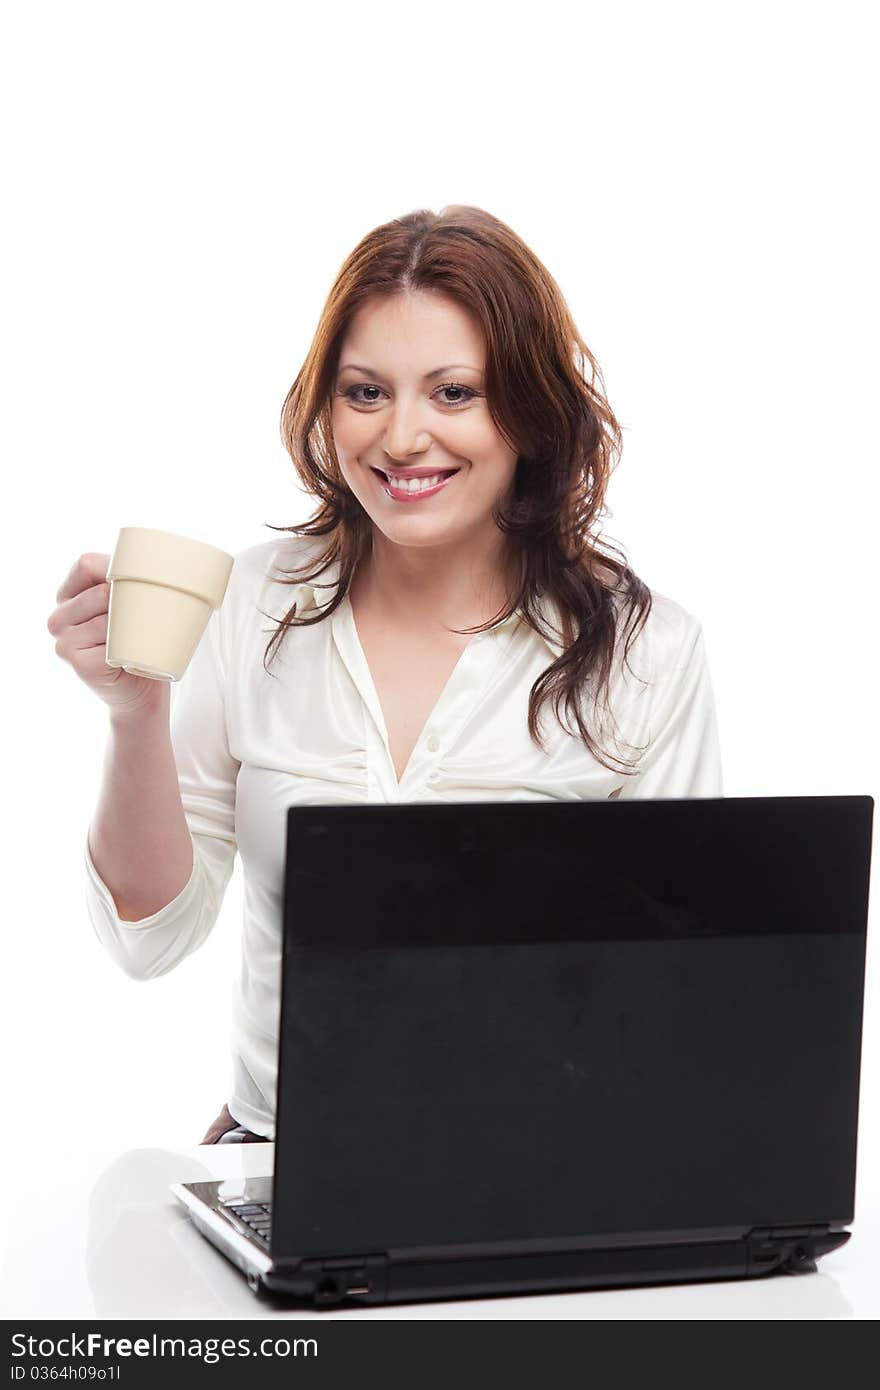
point(403, 488)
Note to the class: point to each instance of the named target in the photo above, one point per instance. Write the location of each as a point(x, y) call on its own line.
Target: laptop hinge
point(793, 1249)
point(355, 1278)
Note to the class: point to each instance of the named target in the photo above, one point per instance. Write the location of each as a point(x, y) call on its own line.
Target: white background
point(182, 183)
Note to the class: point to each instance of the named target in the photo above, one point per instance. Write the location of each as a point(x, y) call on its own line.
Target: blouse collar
point(316, 593)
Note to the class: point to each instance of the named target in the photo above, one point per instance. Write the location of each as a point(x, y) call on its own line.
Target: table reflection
point(144, 1259)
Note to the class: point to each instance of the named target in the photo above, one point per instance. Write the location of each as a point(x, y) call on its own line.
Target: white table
point(98, 1235)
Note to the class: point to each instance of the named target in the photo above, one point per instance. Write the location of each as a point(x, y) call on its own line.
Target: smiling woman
point(410, 443)
point(449, 424)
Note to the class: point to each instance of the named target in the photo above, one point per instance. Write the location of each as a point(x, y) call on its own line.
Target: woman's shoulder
point(261, 591)
point(257, 590)
point(663, 640)
point(272, 563)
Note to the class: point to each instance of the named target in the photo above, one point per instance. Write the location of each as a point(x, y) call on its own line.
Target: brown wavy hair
point(545, 393)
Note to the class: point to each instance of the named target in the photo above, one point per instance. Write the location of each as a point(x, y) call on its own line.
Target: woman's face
point(409, 403)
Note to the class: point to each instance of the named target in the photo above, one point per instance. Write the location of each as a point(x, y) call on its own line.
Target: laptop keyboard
point(257, 1216)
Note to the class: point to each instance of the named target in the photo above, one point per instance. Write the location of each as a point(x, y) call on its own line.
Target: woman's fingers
point(90, 569)
point(80, 609)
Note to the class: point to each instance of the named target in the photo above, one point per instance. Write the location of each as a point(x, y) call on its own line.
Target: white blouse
point(248, 744)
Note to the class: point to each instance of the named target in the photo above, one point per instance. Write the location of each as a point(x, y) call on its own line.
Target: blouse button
point(433, 743)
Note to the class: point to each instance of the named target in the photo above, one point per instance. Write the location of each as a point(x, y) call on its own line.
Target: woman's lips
point(405, 494)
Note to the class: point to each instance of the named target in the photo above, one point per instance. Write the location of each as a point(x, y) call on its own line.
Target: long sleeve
point(207, 779)
point(683, 757)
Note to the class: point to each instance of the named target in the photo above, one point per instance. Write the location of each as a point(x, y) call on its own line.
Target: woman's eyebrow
point(438, 371)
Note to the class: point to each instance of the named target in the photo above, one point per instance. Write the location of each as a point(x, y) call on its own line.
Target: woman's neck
point(419, 587)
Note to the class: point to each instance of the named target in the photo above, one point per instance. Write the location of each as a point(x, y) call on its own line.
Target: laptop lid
point(535, 1025)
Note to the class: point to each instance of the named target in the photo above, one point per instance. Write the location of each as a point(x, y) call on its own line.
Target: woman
point(447, 595)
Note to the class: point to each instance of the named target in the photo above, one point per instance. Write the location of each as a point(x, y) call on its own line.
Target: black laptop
point(544, 1046)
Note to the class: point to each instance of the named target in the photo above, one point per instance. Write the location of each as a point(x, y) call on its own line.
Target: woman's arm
point(160, 849)
point(139, 840)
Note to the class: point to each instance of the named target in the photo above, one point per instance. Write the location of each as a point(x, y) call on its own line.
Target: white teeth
point(415, 484)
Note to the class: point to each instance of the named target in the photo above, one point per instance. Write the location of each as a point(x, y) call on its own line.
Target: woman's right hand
point(79, 626)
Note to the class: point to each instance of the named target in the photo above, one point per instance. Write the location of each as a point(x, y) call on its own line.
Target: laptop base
point(373, 1277)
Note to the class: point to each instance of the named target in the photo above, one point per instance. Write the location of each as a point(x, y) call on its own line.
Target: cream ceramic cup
point(163, 588)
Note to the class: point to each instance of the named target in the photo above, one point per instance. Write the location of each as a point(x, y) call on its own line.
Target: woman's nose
point(405, 432)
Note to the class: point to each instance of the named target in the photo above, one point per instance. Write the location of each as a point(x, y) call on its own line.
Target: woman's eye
point(466, 393)
point(350, 394)
point(462, 396)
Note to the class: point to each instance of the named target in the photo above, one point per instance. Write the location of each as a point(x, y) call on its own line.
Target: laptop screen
point(540, 1023)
